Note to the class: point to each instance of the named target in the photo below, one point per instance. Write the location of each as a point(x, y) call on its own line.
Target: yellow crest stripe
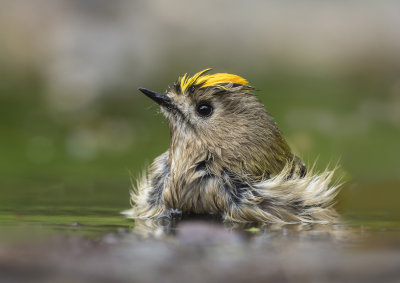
point(209, 80)
point(186, 81)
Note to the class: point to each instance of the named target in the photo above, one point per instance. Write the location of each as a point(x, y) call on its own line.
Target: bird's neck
point(184, 154)
point(188, 178)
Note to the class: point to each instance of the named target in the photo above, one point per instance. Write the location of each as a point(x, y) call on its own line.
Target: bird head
point(216, 120)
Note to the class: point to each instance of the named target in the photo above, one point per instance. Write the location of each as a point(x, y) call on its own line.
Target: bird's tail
point(289, 199)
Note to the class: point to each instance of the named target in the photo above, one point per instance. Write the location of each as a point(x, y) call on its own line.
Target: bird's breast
point(201, 194)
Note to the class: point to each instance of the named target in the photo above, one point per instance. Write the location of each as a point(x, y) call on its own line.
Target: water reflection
point(208, 229)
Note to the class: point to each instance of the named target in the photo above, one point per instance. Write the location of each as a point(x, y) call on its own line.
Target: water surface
point(65, 236)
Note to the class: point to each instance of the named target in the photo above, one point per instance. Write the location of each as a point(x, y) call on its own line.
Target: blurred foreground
point(200, 251)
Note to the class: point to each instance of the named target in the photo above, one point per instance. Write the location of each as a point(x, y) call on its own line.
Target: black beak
point(161, 99)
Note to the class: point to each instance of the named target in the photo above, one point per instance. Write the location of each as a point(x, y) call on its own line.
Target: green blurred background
point(74, 130)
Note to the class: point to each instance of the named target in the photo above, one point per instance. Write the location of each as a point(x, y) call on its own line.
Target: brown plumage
point(227, 157)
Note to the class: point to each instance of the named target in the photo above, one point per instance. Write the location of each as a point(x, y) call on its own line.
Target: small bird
point(228, 158)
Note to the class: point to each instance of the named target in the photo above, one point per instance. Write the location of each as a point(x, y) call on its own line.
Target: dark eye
point(204, 109)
